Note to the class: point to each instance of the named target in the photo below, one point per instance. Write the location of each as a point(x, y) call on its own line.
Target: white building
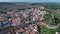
point(57, 32)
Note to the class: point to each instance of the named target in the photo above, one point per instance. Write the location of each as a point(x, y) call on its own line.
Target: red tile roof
point(31, 32)
point(26, 32)
point(20, 29)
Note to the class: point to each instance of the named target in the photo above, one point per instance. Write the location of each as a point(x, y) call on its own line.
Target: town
point(28, 20)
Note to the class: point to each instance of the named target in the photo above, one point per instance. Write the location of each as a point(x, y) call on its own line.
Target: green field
point(48, 20)
point(45, 30)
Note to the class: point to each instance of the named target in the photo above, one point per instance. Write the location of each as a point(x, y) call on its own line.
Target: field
point(44, 29)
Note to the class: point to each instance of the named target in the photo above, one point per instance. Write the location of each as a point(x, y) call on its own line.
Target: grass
point(56, 13)
point(45, 30)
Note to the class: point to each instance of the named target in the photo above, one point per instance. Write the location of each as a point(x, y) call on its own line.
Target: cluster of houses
point(14, 18)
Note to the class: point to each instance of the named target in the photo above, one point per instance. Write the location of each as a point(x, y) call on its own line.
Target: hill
point(48, 5)
point(6, 3)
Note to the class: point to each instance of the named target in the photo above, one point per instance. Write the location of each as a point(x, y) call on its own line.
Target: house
point(42, 7)
point(57, 32)
point(15, 21)
point(21, 29)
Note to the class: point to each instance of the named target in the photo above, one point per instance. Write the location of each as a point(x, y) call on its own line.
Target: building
point(57, 32)
point(15, 21)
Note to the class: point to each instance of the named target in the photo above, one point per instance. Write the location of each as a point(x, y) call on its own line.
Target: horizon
point(32, 1)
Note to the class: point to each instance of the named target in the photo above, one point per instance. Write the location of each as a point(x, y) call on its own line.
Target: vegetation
point(58, 29)
point(51, 21)
point(48, 5)
point(45, 30)
point(2, 12)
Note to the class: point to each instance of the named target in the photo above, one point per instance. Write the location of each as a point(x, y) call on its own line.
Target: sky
point(29, 0)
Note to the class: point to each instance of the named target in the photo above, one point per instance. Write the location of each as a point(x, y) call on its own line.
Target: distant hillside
point(45, 4)
point(21, 3)
point(14, 3)
point(6, 3)
point(48, 5)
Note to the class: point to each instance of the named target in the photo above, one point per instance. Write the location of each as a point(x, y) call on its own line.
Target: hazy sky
point(29, 0)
